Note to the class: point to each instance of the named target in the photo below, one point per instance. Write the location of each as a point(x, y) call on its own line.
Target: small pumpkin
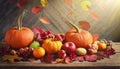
point(80, 37)
point(18, 37)
point(52, 46)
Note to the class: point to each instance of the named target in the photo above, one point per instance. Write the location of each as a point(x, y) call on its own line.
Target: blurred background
point(103, 16)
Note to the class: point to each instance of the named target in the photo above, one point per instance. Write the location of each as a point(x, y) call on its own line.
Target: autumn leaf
point(95, 37)
point(71, 14)
point(36, 9)
point(10, 1)
point(22, 3)
point(94, 15)
point(44, 20)
point(85, 5)
point(44, 3)
point(68, 2)
point(84, 25)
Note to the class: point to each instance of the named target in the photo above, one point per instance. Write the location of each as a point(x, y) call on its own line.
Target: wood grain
point(107, 26)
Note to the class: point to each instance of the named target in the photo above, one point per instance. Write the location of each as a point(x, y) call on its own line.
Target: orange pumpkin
point(81, 38)
point(18, 37)
point(52, 46)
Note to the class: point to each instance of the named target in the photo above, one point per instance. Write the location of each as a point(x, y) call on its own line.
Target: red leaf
point(84, 25)
point(22, 3)
point(94, 15)
point(80, 58)
point(91, 58)
point(38, 31)
point(44, 20)
point(95, 37)
point(36, 9)
point(11, 1)
point(68, 2)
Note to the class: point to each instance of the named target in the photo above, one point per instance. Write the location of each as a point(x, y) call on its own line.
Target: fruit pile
point(49, 47)
point(24, 44)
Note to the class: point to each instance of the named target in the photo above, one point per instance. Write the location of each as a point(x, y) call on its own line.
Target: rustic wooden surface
point(107, 26)
point(114, 61)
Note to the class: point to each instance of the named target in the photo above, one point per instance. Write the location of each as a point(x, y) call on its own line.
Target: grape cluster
point(25, 52)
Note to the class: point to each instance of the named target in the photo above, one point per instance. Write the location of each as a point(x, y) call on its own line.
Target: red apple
point(69, 47)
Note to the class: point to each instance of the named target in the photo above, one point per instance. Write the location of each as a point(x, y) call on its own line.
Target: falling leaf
point(22, 3)
point(94, 15)
point(95, 37)
point(84, 25)
point(36, 9)
point(10, 1)
point(44, 20)
point(44, 3)
point(85, 5)
point(68, 2)
point(71, 14)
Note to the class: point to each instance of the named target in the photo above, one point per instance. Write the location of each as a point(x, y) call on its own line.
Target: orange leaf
point(44, 20)
point(68, 2)
point(84, 25)
point(95, 37)
point(71, 14)
point(94, 15)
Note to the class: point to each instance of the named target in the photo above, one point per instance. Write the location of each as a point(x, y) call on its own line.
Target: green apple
point(34, 44)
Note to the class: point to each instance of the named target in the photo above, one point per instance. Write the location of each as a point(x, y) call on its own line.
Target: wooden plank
point(113, 61)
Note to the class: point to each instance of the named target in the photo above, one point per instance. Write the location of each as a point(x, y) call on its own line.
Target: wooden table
point(114, 61)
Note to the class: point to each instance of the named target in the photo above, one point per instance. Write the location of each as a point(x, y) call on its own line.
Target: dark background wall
point(107, 26)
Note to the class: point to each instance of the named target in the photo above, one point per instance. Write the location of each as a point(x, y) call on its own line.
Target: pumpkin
point(80, 37)
point(51, 46)
point(18, 37)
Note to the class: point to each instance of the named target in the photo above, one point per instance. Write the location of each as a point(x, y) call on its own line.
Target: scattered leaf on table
point(84, 25)
point(44, 3)
point(91, 58)
point(94, 15)
point(95, 37)
point(44, 20)
point(10, 1)
point(22, 3)
point(71, 14)
point(85, 5)
point(36, 9)
point(68, 2)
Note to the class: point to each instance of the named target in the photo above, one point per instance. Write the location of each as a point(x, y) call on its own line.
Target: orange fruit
point(39, 52)
point(101, 46)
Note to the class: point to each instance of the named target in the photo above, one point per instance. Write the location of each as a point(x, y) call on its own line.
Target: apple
point(69, 47)
point(35, 44)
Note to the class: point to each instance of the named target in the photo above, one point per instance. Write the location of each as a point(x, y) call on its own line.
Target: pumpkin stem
point(74, 26)
point(20, 18)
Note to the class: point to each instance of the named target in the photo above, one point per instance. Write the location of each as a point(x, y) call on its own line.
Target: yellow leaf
point(85, 5)
point(44, 3)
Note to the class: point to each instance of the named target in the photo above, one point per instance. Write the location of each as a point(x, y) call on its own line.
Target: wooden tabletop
point(113, 61)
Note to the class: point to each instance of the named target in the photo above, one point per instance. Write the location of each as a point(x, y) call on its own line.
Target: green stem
point(74, 26)
point(20, 18)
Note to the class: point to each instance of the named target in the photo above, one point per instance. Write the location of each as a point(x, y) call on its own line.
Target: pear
point(35, 44)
